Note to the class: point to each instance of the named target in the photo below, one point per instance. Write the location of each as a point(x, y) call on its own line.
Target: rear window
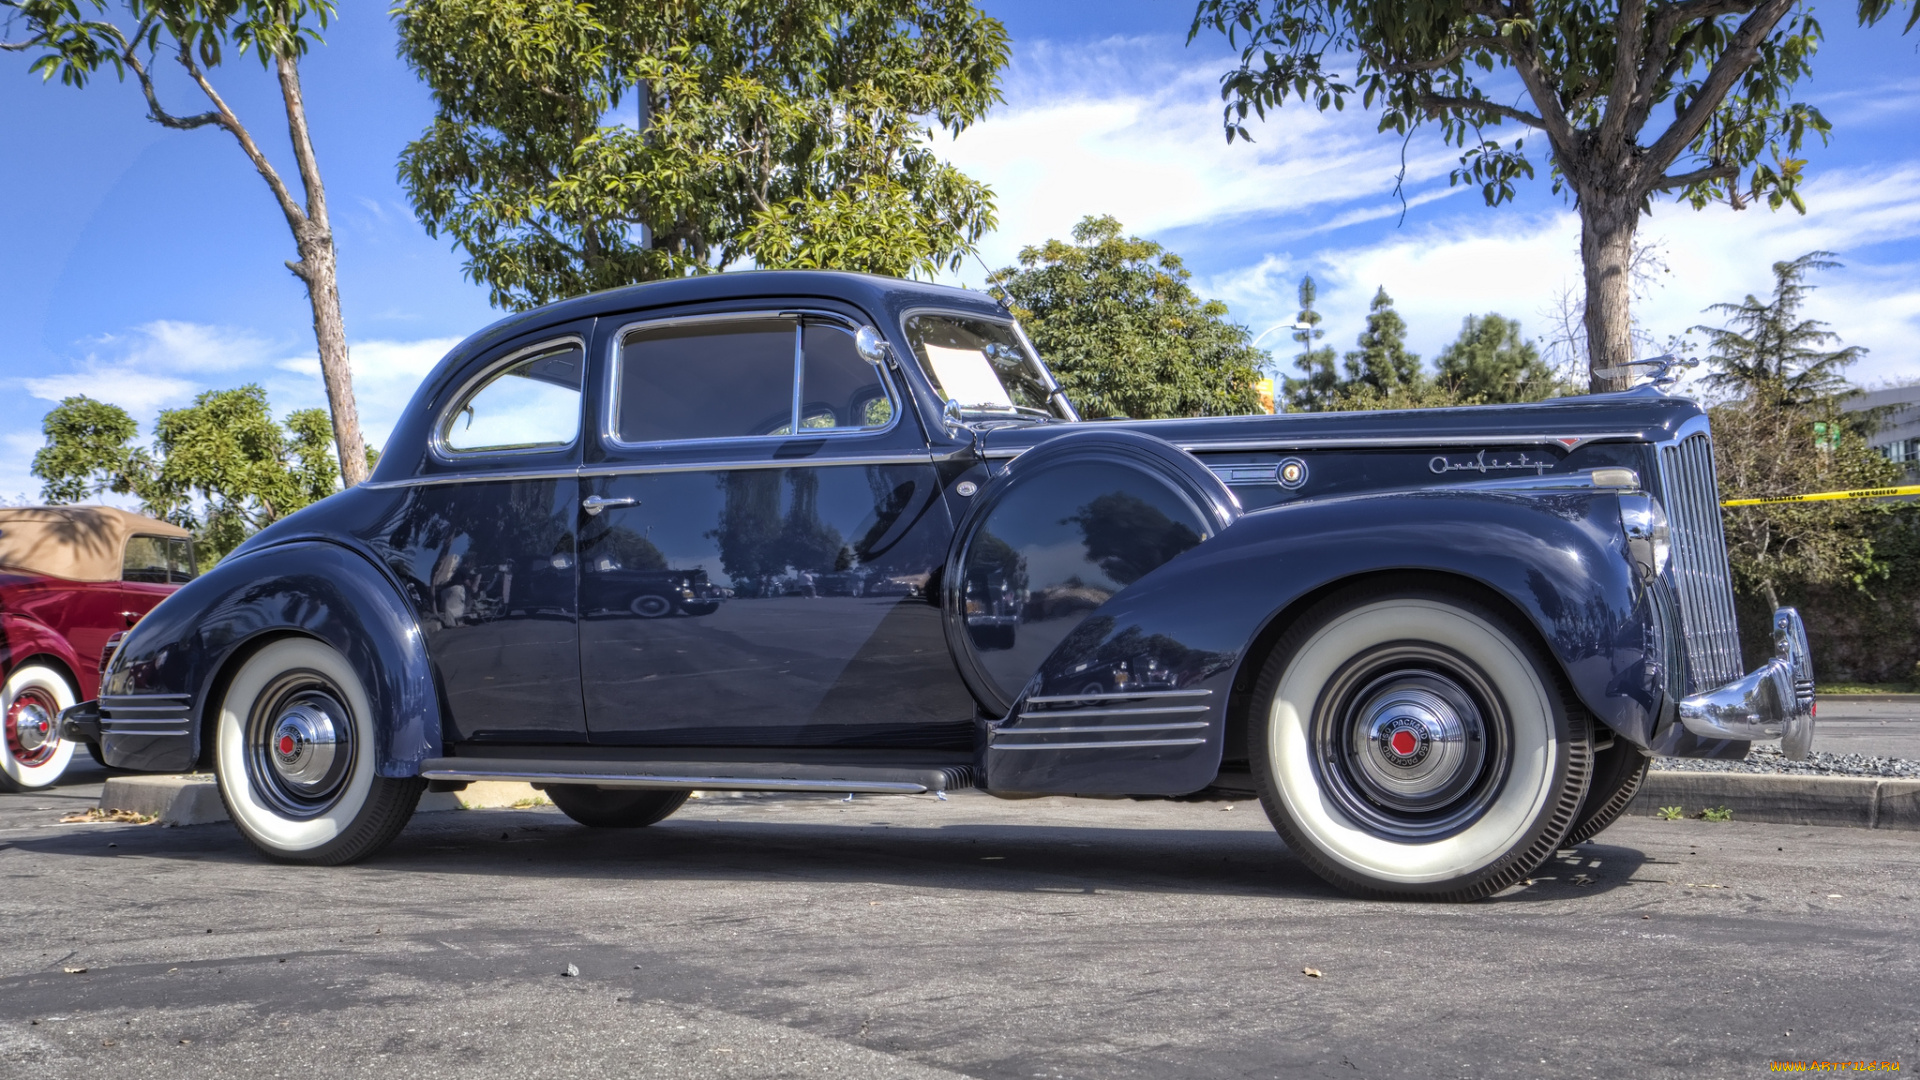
point(158, 560)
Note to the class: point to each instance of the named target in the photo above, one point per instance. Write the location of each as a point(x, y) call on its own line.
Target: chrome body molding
point(1133, 744)
point(1138, 695)
point(1142, 711)
point(1391, 442)
point(1621, 480)
point(1061, 714)
point(713, 783)
point(145, 714)
point(636, 468)
point(1774, 701)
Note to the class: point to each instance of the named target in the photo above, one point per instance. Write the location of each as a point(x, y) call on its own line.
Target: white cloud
point(385, 375)
point(154, 365)
point(1500, 260)
point(1124, 127)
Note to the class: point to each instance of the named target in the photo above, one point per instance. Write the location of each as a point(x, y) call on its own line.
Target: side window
point(533, 403)
point(180, 563)
point(838, 388)
point(706, 380)
point(145, 560)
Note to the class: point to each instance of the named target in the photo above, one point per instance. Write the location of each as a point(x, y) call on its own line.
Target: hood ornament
point(1660, 372)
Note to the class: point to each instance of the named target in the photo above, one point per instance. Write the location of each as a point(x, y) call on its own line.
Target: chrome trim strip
point(1246, 474)
point(1098, 745)
point(1159, 710)
point(503, 476)
point(108, 699)
point(824, 462)
point(1008, 732)
point(1142, 694)
point(1336, 442)
point(164, 710)
point(877, 787)
point(1574, 481)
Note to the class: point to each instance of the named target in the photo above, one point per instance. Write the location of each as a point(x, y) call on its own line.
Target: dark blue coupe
point(810, 531)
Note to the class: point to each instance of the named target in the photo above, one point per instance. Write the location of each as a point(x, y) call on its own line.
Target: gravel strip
point(1768, 759)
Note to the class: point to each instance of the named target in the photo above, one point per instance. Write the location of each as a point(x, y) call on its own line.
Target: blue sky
point(140, 265)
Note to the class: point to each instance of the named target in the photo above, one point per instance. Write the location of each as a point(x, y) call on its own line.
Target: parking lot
point(907, 937)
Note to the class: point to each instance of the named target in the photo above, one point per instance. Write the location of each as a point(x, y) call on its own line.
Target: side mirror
point(871, 346)
point(950, 416)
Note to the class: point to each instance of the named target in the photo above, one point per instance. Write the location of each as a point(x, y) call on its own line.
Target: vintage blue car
point(1438, 644)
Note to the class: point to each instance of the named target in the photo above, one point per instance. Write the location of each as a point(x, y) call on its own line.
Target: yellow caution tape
point(1829, 496)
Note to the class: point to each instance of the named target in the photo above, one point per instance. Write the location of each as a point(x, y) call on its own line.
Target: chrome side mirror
point(871, 346)
point(950, 416)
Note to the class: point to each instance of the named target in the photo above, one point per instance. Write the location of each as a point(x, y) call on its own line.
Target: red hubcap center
point(286, 746)
point(1403, 743)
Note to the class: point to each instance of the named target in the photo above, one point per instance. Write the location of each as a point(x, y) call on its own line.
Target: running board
point(708, 775)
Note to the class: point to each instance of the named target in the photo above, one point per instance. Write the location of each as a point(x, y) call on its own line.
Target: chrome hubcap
point(1415, 738)
point(32, 736)
point(300, 746)
point(1411, 742)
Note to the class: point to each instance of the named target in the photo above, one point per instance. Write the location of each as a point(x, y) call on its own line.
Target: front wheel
point(294, 754)
point(1412, 742)
point(33, 754)
point(615, 808)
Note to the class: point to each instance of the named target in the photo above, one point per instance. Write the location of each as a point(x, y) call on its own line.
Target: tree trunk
point(319, 270)
point(1606, 255)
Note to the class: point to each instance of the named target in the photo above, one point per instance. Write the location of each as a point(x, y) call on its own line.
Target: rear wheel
point(651, 606)
point(1414, 742)
point(32, 754)
point(1618, 772)
point(615, 808)
point(294, 754)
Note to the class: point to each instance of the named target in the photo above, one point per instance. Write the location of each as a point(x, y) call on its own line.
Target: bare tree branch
point(297, 133)
point(1628, 28)
point(1712, 172)
point(1434, 103)
point(295, 216)
point(1665, 55)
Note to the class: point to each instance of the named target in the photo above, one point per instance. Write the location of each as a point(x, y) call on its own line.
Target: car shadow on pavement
point(963, 855)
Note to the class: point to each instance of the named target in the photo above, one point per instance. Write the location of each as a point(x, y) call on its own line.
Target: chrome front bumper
point(1775, 701)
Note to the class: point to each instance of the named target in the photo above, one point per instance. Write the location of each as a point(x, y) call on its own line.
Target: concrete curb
point(1856, 802)
point(174, 800)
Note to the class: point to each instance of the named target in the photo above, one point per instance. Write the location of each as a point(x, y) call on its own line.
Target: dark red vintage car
point(72, 580)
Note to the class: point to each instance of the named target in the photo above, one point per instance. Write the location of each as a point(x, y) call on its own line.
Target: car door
point(485, 544)
point(758, 537)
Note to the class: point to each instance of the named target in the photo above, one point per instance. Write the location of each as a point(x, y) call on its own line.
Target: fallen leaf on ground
point(1311, 973)
point(1691, 885)
point(74, 970)
point(128, 817)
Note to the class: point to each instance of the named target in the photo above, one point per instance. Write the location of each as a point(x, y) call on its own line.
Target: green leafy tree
point(89, 451)
point(1382, 362)
point(1490, 363)
point(221, 466)
point(1767, 351)
point(1595, 76)
point(1319, 382)
point(75, 39)
point(788, 133)
point(1123, 331)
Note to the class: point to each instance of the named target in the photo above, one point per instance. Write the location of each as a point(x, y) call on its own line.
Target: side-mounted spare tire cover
point(1066, 526)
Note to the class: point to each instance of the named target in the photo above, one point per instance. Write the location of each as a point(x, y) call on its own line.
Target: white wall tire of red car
point(47, 688)
point(368, 810)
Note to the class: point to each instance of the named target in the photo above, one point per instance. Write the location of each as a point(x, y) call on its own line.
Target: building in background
point(1898, 434)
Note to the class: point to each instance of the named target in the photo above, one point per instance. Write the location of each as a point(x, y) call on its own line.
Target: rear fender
point(22, 639)
point(1559, 560)
point(188, 646)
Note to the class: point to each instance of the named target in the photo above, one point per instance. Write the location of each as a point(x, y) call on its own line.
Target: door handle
point(593, 504)
point(131, 617)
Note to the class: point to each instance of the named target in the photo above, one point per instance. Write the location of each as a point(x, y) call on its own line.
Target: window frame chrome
point(437, 445)
point(610, 408)
point(1040, 369)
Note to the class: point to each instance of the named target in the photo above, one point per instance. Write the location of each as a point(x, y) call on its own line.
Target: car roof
point(78, 543)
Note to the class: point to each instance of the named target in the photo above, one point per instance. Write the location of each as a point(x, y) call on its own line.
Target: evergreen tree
point(1490, 363)
point(1319, 384)
point(1382, 362)
point(1768, 353)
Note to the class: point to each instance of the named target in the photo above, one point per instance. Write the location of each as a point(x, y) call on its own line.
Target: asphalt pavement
point(1881, 728)
point(909, 937)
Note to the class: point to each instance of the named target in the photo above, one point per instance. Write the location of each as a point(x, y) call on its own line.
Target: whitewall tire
point(295, 756)
point(1415, 742)
point(33, 754)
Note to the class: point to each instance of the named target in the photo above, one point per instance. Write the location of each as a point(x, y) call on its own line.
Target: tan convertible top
point(79, 543)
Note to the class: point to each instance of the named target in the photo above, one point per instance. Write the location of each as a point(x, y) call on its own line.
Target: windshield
point(979, 363)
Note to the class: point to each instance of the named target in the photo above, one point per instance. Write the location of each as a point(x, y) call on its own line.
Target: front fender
point(182, 650)
point(22, 638)
point(1559, 559)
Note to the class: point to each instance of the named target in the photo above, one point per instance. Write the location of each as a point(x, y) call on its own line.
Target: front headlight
point(1649, 541)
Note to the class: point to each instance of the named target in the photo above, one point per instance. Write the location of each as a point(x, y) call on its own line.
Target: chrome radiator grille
point(1692, 500)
